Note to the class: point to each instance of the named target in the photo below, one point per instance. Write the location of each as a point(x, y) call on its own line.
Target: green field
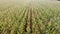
point(36, 17)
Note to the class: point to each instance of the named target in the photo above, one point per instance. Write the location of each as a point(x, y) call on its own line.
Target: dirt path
point(29, 18)
point(31, 10)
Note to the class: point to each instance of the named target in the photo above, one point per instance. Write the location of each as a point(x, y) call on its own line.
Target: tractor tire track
point(31, 19)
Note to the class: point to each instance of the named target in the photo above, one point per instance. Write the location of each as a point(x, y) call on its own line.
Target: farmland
point(34, 17)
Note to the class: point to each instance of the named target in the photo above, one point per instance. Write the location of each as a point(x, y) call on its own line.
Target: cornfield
point(30, 18)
